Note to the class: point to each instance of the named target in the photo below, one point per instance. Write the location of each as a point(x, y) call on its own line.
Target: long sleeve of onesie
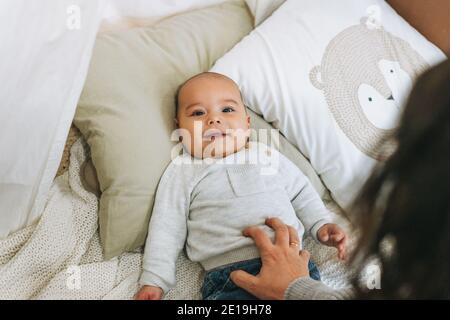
point(167, 229)
point(307, 204)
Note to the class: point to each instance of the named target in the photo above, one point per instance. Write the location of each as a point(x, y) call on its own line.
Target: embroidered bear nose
point(390, 97)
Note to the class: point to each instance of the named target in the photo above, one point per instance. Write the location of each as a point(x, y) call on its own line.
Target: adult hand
point(282, 261)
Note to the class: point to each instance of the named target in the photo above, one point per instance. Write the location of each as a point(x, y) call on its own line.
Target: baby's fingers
point(337, 237)
point(155, 296)
point(342, 248)
point(142, 296)
point(322, 235)
point(342, 252)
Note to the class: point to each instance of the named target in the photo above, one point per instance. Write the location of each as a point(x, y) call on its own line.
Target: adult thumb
point(244, 280)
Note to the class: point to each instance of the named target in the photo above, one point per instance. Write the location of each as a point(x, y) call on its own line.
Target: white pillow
point(153, 8)
point(127, 14)
point(261, 9)
point(319, 69)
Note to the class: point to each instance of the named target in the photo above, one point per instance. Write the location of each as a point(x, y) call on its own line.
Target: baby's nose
point(212, 121)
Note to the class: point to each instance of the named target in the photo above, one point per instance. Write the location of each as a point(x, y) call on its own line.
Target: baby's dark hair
point(203, 74)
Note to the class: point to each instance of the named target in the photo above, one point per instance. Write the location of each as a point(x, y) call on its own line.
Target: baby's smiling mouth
point(212, 134)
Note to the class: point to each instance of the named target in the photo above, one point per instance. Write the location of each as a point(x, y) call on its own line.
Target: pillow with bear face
point(333, 76)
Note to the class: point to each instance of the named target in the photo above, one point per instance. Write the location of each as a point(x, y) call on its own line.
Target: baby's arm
point(167, 231)
point(310, 209)
point(304, 198)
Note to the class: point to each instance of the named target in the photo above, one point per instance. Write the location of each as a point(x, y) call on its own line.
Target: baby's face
point(213, 116)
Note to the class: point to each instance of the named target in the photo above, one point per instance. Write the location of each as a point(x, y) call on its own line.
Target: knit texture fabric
point(60, 257)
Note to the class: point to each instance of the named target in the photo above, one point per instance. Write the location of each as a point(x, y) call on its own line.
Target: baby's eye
point(197, 113)
point(227, 109)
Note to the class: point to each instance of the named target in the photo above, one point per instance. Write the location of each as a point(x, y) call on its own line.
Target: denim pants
point(218, 285)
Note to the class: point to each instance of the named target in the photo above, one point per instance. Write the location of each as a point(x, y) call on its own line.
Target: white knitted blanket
point(60, 257)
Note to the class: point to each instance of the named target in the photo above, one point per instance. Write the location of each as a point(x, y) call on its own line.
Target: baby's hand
point(149, 293)
point(332, 235)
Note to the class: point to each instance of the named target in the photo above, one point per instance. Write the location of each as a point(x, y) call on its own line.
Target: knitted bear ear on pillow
point(126, 109)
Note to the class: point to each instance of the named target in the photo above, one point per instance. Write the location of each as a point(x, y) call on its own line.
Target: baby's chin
point(216, 150)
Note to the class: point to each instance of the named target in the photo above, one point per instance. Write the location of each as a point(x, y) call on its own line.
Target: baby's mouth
point(213, 134)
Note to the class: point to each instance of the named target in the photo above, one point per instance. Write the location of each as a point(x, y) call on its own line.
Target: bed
point(76, 266)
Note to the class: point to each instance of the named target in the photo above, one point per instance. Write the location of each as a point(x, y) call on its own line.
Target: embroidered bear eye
point(392, 71)
point(370, 99)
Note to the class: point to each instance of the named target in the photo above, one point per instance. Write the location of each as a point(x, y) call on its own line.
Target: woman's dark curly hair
point(406, 201)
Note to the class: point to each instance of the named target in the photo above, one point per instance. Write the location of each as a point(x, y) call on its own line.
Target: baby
point(208, 195)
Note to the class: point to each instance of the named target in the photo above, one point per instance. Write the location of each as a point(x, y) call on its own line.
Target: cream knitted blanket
point(60, 257)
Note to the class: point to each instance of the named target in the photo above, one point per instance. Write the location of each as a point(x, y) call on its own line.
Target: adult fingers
point(304, 254)
point(262, 240)
point(281, 231)
point(294, 240)
point(244, 280)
